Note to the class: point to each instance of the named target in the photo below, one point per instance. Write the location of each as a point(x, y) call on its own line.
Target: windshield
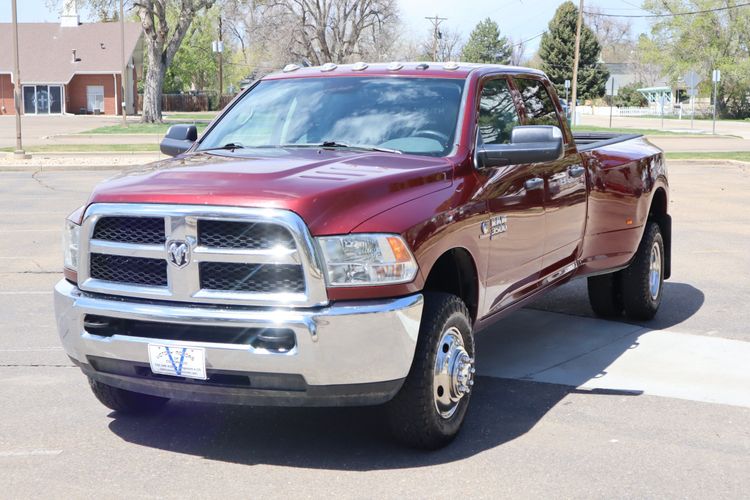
point(410, 115)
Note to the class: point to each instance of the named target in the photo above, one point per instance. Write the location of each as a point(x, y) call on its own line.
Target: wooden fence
point(187, 102)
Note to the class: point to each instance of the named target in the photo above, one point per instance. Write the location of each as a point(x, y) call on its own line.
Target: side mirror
point(179, 139)
point(528, 144)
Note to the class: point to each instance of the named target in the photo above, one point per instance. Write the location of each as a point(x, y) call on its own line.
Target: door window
point(538, 104)
point(497, 113)
point(95, 98)
point(29, 100)
point(55, 99)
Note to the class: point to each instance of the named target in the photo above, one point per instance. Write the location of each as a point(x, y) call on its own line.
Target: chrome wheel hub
point(654, 273)
point(454, 372)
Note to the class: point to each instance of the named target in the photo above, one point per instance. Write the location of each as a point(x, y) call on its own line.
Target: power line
point(518, 44)
point(675, 14)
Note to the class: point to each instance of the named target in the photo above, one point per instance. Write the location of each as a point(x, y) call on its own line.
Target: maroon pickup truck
point(338, 233)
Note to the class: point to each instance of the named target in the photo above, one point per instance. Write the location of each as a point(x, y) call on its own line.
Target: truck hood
point(332, 190)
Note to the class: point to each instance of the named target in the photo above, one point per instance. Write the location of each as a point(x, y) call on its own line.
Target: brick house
point(71, 68)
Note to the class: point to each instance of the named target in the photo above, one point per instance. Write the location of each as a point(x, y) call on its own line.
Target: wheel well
point(658, 213)
point(454, 272)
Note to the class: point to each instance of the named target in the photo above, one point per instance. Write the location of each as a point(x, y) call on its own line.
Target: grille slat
point(257, 278)
point(142, 230)
point(243, 235)
point(129, 270)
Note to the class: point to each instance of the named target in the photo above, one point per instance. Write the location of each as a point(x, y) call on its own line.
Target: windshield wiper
point(334, 144)
point(230, 146)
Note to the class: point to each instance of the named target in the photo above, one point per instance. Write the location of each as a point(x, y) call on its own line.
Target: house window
point(95, 98)
point(42, 99)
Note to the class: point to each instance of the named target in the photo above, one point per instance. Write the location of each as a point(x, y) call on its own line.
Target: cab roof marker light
point(290, 67)
point(360, 66)
point(451, 66)
point(328, 67)
point(395, 66)
point(423, 66)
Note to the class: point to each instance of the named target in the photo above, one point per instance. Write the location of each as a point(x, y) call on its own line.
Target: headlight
point(367, 259)
point(71, 233)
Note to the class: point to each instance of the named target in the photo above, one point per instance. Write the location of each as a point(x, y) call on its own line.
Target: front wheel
point(430, 407)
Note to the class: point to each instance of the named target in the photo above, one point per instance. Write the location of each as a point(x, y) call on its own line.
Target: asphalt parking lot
point(566, 405)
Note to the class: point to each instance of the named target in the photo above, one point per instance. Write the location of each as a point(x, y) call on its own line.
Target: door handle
point(576, 171)
point(535, 183)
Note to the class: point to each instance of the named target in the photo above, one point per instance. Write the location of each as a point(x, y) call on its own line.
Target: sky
point(518, 19)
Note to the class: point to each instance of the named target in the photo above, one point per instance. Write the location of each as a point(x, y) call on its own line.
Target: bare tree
point(450, 43)
point(614, 35)
point(330, 30)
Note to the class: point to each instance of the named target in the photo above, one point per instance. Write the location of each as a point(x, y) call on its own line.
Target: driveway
point(566, 405)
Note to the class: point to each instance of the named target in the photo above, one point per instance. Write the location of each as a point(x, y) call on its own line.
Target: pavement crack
point(40, 181)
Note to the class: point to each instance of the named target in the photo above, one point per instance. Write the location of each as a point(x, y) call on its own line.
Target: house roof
point(46, 49)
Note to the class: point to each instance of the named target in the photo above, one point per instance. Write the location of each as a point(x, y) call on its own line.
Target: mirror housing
point(179, 139)
point(528, 144)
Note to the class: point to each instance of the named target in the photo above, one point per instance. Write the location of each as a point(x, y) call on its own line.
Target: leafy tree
point(557, 49)
point(195, 66)
point(628, 96)
point(704, 42)
point(485, 45)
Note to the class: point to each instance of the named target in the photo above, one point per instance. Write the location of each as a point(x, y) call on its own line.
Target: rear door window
point(538, 104)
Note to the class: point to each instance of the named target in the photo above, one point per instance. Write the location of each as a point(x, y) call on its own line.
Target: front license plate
point(178, 361)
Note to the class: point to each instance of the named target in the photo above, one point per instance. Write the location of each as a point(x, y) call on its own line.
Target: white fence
point(684, 110)
point(630, 111)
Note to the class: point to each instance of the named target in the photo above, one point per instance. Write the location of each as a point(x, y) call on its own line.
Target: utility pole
point(221, 62)
point(576, 56)
point(19, 153)
point(436, 35)
point(122, 64)
point(716, 77)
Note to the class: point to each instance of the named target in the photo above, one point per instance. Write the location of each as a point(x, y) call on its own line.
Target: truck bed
point(586, 141)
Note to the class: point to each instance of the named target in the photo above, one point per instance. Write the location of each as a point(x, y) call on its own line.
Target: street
point(566, 405)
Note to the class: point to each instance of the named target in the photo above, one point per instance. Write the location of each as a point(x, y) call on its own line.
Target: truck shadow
point(356, 439)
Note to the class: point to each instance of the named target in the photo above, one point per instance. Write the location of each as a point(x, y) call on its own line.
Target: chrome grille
point(252, 277)
point(235, 255)
point(147, 230)
point(132, 270)
point(233, 234)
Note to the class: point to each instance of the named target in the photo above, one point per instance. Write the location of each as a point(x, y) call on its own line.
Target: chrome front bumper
point(347, 353)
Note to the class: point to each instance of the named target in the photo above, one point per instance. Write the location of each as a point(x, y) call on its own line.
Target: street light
point(19, 153)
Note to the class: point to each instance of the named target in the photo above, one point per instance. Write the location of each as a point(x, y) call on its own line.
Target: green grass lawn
point(139, 128)
point(721, 155)
point(89, 148)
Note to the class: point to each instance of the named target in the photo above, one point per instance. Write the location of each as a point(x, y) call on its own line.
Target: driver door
point(515, 202)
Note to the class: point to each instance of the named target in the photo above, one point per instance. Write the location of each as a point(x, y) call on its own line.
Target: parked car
point(339, 233)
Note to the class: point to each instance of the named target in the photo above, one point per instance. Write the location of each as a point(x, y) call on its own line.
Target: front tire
point(122, 401)
point(643, 279)
point(429, 409)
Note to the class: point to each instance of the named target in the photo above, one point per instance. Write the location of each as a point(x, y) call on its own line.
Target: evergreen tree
point(485, 45)
point(557, 50)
